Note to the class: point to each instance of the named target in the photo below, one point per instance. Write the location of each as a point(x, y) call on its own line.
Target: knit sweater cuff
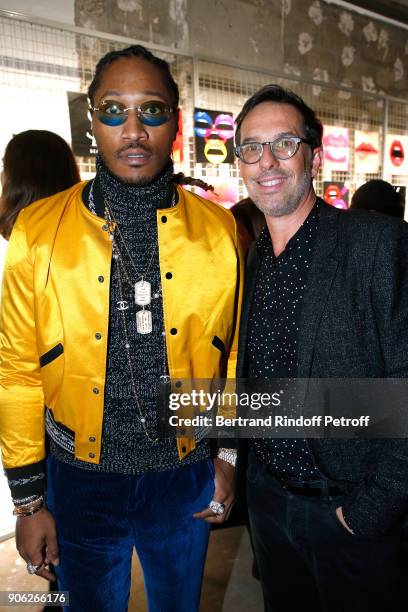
point(26, 482)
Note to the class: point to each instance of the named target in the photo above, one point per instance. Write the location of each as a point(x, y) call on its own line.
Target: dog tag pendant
point(144, 322)
point(143, 293)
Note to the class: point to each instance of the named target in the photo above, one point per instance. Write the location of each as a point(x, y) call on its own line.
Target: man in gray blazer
point(326, 296)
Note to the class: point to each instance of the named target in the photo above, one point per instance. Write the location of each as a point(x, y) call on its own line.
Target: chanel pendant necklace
point(143, 293)
point(142, 288)
point(143, 297)
point(144, 321)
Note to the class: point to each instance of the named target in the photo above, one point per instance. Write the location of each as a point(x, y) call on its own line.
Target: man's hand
point(224, 492)
point(339, 513)
point(36, 541)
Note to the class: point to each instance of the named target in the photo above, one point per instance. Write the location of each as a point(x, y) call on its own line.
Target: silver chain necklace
point(142, 287)
point(123, 304)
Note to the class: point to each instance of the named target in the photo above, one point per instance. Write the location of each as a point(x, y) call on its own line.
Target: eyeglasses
point(152, 113)
point(281, 148)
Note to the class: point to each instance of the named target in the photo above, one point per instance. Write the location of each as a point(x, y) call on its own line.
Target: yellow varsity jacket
point(55, 315)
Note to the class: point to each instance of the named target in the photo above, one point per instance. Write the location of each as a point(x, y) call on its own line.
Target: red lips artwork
point(336, 194)
point(367, 152)
point(396, 154)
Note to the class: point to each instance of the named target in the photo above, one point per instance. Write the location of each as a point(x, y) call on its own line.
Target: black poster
point(83, 143)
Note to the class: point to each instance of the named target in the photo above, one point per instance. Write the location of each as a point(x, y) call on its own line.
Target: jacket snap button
point(92, 455)
point(92, 439)
point(95, 390)
point(105, 228)
point(164, 219)
point(169, 275)
point(101, 279)
point(98, 336)
point(173, 331)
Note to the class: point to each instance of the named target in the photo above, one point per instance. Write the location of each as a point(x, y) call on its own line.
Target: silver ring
point(31, 568)
point(216, 507)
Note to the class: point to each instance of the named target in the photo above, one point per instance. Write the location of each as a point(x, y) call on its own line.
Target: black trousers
point(308, 561)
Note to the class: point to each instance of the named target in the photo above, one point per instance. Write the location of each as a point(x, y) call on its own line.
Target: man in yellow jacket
point(109, 288)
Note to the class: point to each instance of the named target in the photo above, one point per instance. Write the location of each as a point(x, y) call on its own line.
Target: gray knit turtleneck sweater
point(125, 447)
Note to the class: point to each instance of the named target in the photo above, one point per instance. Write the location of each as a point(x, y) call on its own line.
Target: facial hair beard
point(292, 201)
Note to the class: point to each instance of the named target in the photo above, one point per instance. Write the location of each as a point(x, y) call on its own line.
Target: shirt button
point(169, 275)
point(98, 336)
point(96, 390)
point(173, 331)
point(92, 439)
point(92, 455)
point(164, 219)
point(101, 279)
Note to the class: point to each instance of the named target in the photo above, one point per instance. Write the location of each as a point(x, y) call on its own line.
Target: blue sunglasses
point(152, 113)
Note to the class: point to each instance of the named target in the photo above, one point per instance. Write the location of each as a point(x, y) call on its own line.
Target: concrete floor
point(228, 584)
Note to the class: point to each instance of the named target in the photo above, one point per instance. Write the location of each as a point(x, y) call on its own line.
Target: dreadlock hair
point(181, 179)
point(137, 51)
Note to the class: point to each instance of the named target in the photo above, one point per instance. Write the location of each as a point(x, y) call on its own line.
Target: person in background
point(36, 164)
point(378, 196)
point(110, 288)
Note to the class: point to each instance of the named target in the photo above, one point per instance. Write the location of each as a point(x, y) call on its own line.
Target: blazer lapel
point(321, 273)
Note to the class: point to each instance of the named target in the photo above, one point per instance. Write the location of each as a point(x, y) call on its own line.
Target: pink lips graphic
point(335, 147)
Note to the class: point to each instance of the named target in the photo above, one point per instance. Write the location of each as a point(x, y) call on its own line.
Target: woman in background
point(36, 164)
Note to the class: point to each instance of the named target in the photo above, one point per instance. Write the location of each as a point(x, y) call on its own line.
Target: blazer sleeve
point(22, 428)
point(381, 501)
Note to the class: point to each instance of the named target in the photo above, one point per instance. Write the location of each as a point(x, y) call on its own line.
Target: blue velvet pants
point(100, 519)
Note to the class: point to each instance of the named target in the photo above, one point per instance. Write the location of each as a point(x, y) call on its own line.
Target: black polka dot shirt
point(273, 337)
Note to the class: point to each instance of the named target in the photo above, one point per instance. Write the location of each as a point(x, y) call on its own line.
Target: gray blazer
point(354, 324)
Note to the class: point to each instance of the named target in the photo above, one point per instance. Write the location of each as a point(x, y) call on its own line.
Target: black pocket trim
point(50, 355)
point(62, 435)
point(218, 343)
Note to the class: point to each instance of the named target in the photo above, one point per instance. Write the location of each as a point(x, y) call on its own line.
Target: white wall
point(56, 10)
